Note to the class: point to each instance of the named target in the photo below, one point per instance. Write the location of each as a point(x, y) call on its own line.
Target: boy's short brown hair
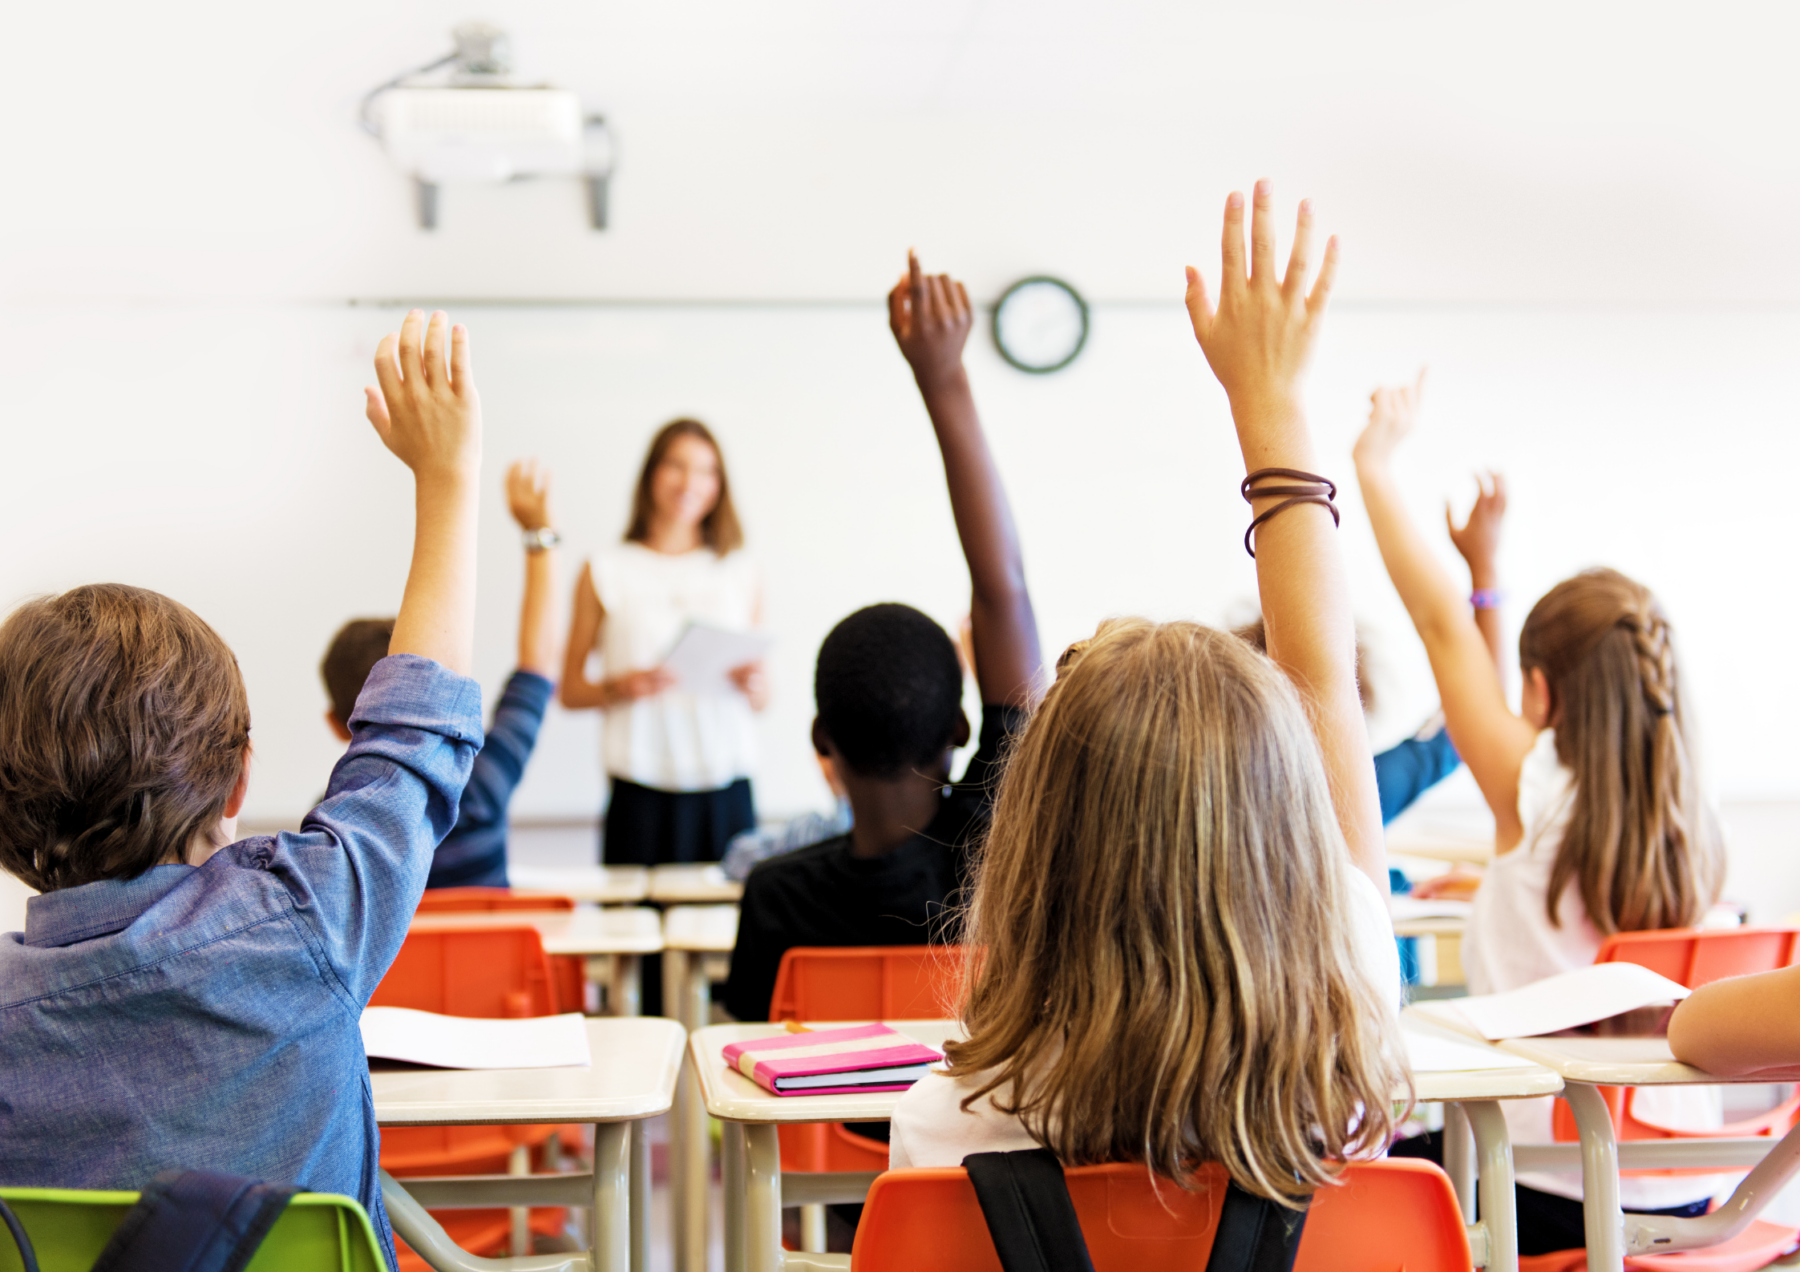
point(123, 727)
point(354, 651)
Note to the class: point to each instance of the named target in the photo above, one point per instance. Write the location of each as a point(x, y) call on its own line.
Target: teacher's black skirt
point(648, 827)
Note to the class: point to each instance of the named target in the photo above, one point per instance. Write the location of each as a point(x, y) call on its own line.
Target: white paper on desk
point(462, 1042)
point(1430, 1053)
point(702, 657)
point(1562, 1002)
point(1405, 907)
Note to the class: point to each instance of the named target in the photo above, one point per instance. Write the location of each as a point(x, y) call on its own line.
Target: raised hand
point(1392, 414)
point(1478, 539)
point(931, 318)
point(1259, 333)
point(427, 411)
point(528, 494)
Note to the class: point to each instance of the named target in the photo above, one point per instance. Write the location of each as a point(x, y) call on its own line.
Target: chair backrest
point(487, 972)
point(69, 1229)
point(1698, 956)
point(872, 982)
point(467, 900)
point(1382, 1216)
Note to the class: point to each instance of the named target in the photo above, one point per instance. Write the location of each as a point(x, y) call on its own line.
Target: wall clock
point(1040, 324)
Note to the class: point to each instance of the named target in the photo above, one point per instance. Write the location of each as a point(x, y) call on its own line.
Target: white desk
point(603, 885)
point(697, 939)
point(633, 1076)
point(692, 885)
point(756, 1190)
point(609, 941)
point(1588, 1063)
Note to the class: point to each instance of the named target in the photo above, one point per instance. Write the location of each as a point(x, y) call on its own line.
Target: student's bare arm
point(1492, 740)
point(1740, 1025)
point(428, 413)
point(931, 318)
point(1257, 339)
point(585, 618)
point(1478, 541)
point(528, 496)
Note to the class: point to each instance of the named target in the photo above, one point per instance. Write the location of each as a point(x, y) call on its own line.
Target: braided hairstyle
point(1642, 843)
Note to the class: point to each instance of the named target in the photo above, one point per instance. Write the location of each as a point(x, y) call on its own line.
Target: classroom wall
point(1585, 236)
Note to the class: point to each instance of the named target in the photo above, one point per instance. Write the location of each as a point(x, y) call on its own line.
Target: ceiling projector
point(477, 125)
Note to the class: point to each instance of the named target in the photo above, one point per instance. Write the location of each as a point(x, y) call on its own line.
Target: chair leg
point(519, 1163)
point(812, 1229)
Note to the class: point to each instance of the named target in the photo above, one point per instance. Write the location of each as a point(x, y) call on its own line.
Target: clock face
point(1040, 324)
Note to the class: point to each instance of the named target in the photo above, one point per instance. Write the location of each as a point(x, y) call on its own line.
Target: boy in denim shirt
point(178, 999)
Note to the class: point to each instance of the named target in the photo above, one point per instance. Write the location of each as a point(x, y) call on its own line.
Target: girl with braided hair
point(1600, 824)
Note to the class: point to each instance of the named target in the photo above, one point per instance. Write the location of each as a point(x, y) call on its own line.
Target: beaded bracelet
point(1318, 490)
point(1487, 598)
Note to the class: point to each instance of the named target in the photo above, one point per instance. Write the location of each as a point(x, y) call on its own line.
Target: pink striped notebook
point(833, 1061)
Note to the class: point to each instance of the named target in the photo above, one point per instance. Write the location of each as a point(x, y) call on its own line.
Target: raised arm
point(1478, 541)
point(1257, 339)
point(1492, 741)
point(528, 496)
point(931, 318)
point(428, 413)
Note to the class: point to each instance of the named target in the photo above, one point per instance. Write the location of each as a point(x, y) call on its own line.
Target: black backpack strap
point(1026, 1203)
point(194, 1221)
point(1255, 1234)
point(27, 1255)
point(1032, 1219)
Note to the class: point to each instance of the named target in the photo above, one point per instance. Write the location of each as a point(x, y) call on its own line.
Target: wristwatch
point(541, 539)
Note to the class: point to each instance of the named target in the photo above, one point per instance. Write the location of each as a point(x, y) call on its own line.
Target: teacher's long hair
point(1161, 964)
point(719, 529)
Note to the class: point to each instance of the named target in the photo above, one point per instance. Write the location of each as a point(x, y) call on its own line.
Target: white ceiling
point(1539, 153)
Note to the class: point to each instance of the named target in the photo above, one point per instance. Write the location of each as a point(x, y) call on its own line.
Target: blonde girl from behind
point(1185, 956)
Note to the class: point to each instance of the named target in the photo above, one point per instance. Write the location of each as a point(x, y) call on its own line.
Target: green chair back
point(318, 1232)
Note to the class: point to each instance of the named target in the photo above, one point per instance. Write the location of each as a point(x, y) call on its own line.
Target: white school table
point(756, 1189)
point(697, 941)
point(692, 885)
point(1585, 1064)
point(610, 941)
point(602, 885)
point(633, 1076)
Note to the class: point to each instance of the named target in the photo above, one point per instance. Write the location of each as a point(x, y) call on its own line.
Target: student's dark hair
point(1257, 636)
point(123, 728)
point(1642, 844)
point(889, 689)
point(354, 651)
point(719, 530)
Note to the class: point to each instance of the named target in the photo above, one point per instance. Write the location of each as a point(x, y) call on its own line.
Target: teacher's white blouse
point(677, 740)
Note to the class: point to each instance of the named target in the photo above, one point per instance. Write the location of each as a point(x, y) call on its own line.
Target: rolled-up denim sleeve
point(357, 866)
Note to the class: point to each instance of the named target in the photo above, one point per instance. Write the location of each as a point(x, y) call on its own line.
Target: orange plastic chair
point(1384, 1215)
point(482, 972)
point(864, 982)
point(566, 971)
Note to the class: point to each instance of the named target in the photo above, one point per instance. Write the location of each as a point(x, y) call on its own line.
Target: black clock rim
point(1074, 353)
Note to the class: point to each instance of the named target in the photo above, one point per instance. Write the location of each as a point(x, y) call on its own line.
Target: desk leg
point(610, 1224)
point(731, 1161)
point(1604, 1220)
point(1459, 1160)
point(762, 1199)
point(625, 991)
point(1499, 1205)
point(640, 1196)
point(691, 1174)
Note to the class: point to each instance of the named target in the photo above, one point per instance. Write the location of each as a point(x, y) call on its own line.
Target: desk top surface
point(586, 929)
point(636, 1062)
point(708, 929)
point(607, 885)
point(1627, 1062)
point(732, 1097)
point(693, 884)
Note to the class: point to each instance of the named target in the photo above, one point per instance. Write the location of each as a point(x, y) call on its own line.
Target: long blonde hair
point(1162, 969)
point(1641, 841)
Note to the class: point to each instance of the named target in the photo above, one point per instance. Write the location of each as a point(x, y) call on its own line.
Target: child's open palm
point(1478, 539)
point(528, 494)
point(427, 411)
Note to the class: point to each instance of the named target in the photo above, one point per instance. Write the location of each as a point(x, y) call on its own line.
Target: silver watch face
point(1040, 325)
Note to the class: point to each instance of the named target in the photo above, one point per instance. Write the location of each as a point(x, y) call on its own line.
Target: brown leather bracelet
point(1283, 506)
point(1295, 473)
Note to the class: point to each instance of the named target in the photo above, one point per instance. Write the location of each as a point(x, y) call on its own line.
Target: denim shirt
point(207, 1016)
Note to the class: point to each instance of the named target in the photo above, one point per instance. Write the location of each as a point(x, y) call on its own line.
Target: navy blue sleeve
point(474, 852)
point(1407, 771)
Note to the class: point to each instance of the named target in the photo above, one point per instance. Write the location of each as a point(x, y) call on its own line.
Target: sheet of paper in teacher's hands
point(1563, 1002)
point(463, 1042)
point(704, 656)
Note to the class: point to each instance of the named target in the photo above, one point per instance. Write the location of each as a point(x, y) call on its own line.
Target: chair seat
point(1752, 1248)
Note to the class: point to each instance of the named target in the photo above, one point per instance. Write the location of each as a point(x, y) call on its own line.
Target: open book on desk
point(1569, 1001)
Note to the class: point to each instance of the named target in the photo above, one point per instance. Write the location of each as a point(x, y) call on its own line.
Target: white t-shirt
point(930, 1127)
point(1510, 942)
point(675, 741)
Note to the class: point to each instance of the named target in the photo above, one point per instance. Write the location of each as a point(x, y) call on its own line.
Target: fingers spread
point(1231, 250)
point(460, 365)
point(376, 409)
point(1262, 232)
point(387, 369)
point(1293, 284)
point(1321, 292)
point(1199, 305)
point(411, 331)
point(437, 357)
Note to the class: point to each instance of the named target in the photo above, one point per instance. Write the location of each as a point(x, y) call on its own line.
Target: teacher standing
point(679, 761)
